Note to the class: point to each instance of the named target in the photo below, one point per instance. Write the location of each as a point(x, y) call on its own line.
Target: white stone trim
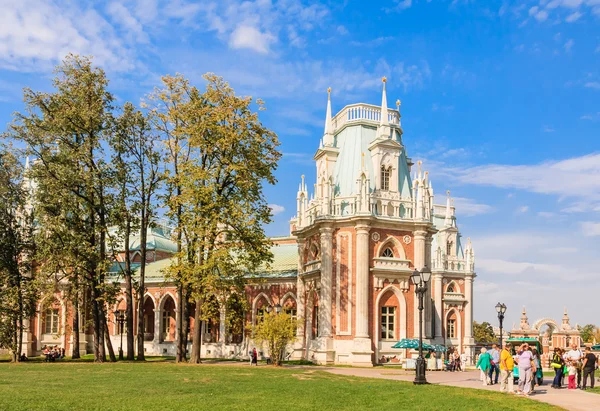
point(338, 281)
point(459, 333)
point(255, 301)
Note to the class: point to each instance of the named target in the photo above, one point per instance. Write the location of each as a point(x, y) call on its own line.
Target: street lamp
point(500, 309)
point(420, 280)
point(120, 319)
point(269, 309)
point(277, 308)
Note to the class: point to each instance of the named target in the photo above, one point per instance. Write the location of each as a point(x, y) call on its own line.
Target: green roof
point(285, 264)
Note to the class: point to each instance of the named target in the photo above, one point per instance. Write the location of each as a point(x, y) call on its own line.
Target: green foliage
point(19, 289)
point(484, 333)
point(587, 332)
point(276, 331)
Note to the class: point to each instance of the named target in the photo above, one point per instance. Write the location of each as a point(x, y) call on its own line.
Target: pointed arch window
point(386, 173)
point(314, 253)
point(449, 247)
point(451, 328)
point(388, 253)
point(450, 288)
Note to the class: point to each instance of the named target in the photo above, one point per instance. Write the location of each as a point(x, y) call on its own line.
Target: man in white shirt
point(575, 355)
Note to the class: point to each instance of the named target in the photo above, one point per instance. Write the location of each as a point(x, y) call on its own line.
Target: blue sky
point(500, 99)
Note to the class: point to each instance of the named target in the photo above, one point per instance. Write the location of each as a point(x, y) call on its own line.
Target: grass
point(165, 385)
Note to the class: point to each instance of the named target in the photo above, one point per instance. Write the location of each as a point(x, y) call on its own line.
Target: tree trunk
point(75, 348)
point(143, 239)
point(185, 325)
point(197, 337)
point(98, 332)
point(179, 325)
point(111, 352)
point(129, 294)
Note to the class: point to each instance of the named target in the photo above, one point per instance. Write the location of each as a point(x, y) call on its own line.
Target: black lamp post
point(500, 309)
point(420, 280)
point(120, 319)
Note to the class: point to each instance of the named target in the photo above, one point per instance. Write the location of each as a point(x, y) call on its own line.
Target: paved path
point(572, 400)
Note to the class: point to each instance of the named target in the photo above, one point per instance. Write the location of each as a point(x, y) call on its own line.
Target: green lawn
point(165, 385)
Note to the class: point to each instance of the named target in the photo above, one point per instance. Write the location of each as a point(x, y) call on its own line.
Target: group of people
point(456, 361)
point(501, 365)
point(576, 364)
point(53, 353)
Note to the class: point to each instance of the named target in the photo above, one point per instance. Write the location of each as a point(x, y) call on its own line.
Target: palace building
point(345, 267)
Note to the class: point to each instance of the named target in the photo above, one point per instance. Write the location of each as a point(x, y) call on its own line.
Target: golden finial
point(448, 193)
point(329, 89)
point(384, 79)
point(398, 103)
point(419, 162)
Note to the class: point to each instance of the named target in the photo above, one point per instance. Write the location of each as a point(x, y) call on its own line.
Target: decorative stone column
point(419, 263)
point(437, 299)
point(298, 345)
point(362, 351)
point(157, 330)
point(428, 311)
point(324, 352)
point(468, 341)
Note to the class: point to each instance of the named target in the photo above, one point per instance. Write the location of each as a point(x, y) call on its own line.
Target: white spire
point(384, 113)
point(384, 131)
point(27, 163)
point(448, 220)
point(328, 133)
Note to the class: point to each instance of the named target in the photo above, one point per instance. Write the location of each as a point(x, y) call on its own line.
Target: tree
point(484, 333)
point(277, 331)
point(137, 165)
point(224, 157)
point(66, 130)
point(587, 332)
point(19, 291)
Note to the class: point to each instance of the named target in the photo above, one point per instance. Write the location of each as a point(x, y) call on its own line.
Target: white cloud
point(546, 214)
point(121, 15)
point(574, 177)
point(342, 30)
point(469, 207)
point(569, 44)
point(247, 37)
point(400, 5)
point(592, 84)
point(516, 267)
point(523, 209)
point(36, 34)
point(276, 209)
point(573, 17)
point(590, 228)
point(548, 129)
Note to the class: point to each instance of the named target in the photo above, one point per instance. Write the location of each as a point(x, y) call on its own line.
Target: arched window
point(51, 325)
point(449, 247)
point(451, 328)
point(387, 322)
point(450, 288)
point(388, 253)
point(386, 173)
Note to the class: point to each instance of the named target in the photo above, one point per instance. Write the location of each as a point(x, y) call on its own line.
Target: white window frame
point(387, 323)
point(386, 176)
point(451, 328)
point(52, 322)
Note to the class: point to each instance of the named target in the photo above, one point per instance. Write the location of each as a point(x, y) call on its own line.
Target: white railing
point(390, 263)
point(363, 112)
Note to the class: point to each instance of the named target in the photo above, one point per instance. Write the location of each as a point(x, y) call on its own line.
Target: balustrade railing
point(363, 112)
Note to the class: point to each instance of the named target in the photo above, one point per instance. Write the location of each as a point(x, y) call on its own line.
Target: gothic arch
point(163, 298)
point(395, 244)
point(454, 286)
point(545, 321)
point(289, 295)
point(402, 308)
point(459, 332)
point(255, 303)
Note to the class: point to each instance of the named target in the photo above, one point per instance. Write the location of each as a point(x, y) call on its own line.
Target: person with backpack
point(558, 364)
